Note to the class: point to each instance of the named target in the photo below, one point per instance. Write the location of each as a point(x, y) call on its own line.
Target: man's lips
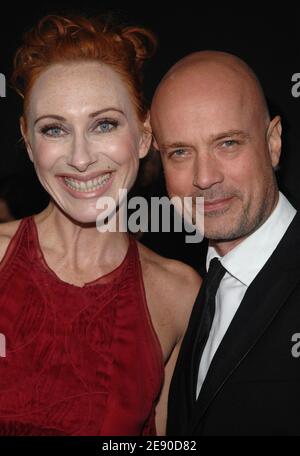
point(216, 204)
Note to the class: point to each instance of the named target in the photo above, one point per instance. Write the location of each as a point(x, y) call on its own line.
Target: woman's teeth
point(88, 186)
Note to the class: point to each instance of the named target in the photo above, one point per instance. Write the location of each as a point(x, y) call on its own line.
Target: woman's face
point(83, 136)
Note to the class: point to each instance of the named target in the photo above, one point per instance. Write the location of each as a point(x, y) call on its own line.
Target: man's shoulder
point(291, 237)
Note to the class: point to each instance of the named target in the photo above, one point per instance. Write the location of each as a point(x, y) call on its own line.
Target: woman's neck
point(81, 246)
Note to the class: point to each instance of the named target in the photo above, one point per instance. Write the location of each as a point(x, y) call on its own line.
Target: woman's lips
point(210, 206)
point(87, 187)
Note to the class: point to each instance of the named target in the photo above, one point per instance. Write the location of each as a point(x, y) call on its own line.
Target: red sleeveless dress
point(79, 360)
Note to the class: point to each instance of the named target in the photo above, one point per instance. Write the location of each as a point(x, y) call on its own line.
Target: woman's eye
point(54, 131)
point(105, 126)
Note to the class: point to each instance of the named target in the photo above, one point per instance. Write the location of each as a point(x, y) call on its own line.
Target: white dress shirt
point(242, 264)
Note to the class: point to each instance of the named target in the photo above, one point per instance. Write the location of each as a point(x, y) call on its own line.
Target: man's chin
point(222, 232)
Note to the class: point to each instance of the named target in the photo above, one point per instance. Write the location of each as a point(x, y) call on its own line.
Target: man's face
point(216, 143)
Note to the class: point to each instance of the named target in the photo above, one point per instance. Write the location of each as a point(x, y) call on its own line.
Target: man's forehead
point(195, 105)
point(203, 117)
point(195, 93)
point(206, 79)
point(196, 96)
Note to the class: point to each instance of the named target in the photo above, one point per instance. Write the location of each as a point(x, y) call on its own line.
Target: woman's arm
point(183, 298)
point(162, 406)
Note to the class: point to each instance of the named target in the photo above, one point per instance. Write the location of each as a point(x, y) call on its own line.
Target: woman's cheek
point(124, 151)
point(45, 155)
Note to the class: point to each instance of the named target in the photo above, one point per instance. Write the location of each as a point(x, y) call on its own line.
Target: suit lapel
point(263, 300)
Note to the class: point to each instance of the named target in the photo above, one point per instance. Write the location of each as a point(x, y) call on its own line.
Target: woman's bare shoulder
point(175, 282)
point(7, 232)
point(168, 268)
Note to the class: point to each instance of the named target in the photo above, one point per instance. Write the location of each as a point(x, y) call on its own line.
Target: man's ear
point(274, 140)
point(23, 128)
point(146, 138)
point(154, 141)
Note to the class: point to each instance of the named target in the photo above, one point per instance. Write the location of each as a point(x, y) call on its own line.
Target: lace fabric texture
point(79, 360)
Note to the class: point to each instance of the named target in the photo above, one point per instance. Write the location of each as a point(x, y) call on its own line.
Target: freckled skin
point(74, 91)
point(212, 126)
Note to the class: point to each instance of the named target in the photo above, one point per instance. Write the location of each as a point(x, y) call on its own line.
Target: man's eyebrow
point(214, 137)
point(92, 115)
point(229, 133)
point(175, 145)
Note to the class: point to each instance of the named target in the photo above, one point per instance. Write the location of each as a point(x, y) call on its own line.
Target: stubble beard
point(243, 227)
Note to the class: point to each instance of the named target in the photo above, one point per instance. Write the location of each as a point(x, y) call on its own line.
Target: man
point(238, 371)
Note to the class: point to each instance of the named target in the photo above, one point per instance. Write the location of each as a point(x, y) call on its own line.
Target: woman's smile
point(85, 187)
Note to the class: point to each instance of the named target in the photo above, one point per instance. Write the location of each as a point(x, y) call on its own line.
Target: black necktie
point(209, 287)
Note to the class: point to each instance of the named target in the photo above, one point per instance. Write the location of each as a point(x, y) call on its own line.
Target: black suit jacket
point(253, 383)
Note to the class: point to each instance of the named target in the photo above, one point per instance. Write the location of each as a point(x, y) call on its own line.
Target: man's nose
point(81, 156)
point(207, 172)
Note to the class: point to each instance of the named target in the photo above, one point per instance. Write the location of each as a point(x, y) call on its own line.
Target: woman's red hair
point(58, 39)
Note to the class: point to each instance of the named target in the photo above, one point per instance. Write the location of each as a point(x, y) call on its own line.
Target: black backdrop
point(268, 38)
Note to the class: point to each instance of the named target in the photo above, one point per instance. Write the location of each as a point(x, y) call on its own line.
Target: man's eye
point(105, 126)
point(178, 153)
point(229, 143)
point(53, 131)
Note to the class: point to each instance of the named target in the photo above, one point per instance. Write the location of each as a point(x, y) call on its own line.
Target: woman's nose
point(81, 156)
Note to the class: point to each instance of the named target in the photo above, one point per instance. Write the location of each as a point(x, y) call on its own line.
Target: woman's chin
point(81, 217)
point(97, 213)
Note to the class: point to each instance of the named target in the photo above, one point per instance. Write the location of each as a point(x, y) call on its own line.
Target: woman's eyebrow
point(101, 111)
point(92, 115)
point(51, 116)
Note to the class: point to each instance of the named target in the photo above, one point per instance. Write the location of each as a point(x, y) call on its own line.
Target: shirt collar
point(246, 260)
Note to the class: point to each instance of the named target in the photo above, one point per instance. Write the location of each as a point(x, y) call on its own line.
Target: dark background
point(268, 39)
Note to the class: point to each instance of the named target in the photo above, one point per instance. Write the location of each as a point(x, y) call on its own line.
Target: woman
point(89, 317)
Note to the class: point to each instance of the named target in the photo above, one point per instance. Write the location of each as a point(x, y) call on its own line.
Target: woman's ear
point(23, 128)
point(146, 138)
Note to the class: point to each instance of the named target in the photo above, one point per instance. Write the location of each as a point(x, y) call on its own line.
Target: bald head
point(212, 126)
point(211, 73)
